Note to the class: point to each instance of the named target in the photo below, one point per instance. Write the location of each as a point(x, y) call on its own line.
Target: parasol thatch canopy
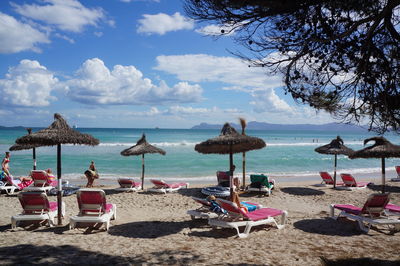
point(229, 141)
point(20, 147)
point(59, 132)
point(335, 147)
point(381, 149)
point(141, 148)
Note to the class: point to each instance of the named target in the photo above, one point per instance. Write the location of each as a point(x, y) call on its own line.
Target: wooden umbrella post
point(334, 172)
point(34, 158)
point(59, 191)
point(383, 175)
point(231, 172)
point(142, 171)
point(244, 170)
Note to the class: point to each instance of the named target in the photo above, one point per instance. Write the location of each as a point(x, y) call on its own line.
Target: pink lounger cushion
point(263, 213)
point(392, 208)
point(348, 208)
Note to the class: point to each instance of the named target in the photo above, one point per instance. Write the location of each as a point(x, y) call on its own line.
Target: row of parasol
point(228, 142)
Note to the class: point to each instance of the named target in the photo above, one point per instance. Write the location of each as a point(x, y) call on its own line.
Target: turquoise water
point(288, 154)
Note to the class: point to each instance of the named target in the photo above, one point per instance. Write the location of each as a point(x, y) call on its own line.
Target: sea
point(288, 156)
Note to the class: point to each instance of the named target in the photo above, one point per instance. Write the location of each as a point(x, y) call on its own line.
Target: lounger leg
point(114, 216)
point(71, 225)
point(332, 212)
point(363, 227)
point(246, 231)
point(13, 223)
point(283, 220)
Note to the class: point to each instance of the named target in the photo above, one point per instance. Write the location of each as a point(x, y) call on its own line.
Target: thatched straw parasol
point(230, 142)
point(59, 132)
point(335, 147)
point(142, 147)
point(18, 147)
point(381, 149)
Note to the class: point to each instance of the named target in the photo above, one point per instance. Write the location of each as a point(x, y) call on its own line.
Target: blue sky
point(129, 63)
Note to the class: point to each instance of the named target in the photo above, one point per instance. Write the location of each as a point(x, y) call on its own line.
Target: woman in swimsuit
point(4, 164)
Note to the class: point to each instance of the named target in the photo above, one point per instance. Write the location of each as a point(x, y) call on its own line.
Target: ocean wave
point(306, 143)
point(159, 144)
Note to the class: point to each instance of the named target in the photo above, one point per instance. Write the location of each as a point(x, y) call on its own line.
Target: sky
point(130, 64)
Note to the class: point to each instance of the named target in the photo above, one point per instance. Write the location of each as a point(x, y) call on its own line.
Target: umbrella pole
point(383, 175)
point(59, 191)
point(231, 172)
point(142, 171)
point(334, 172)
point(34, 158)
point(244, 170)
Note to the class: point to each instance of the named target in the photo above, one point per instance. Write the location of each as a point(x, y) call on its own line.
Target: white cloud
point(67, 15)
point(16, 36)
point(27, 85)
point(72, 41)
point(268, 101)
point(207, 68)
point(123, 85)
point(162, 23)
point(216, 30)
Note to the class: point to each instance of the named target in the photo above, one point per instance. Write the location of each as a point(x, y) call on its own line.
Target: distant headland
point(335, 127)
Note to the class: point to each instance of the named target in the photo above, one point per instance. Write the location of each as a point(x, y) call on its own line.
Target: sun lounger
point(204, 211)
point(128, 185)
point(162, 187)
point(328, 179)
point(372, 213)
point(397, 179)
point(236, 218)
point(36, 207)
point(350, 183)
point(223, 178)
point(41, 181)
point(392, 210)
point(261, 183)
point(10, 185)
point(93, 208)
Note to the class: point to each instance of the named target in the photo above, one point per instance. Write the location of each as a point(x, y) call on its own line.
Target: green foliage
point(341, 56)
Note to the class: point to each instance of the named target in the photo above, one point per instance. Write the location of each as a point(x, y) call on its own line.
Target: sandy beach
point(155, 229)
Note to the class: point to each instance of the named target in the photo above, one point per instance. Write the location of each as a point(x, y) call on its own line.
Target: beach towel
point(216, 208)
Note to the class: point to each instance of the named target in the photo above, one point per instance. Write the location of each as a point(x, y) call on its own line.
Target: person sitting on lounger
point(215, 206)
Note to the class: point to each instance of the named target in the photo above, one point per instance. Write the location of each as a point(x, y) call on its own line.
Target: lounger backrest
point(348, 179)
point(91, 201)
point(230, 207)
point(33, 202)
point(40, 178)
point(376, 204)
point(262, 179)
point(126, 182)
point(204, 202)
point(159, 183)
point(222, 177)
point(398, 170)
point(326, 177)
point(9, 180)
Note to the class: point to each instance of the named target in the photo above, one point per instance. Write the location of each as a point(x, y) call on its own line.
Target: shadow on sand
point(359, 262)
point(151, 229)
point(71, 255)
point(302, 191)
point(328, 227)
point(388, 188)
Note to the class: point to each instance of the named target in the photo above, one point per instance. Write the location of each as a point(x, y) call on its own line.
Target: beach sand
point(155, 229)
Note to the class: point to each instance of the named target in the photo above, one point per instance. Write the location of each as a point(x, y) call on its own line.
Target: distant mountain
point(335, 127)
point(17, 127)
